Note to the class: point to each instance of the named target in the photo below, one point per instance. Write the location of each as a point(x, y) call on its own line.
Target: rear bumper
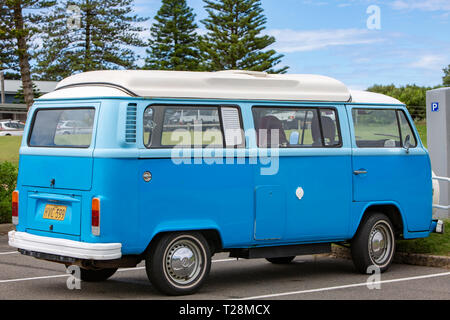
point(64, 247)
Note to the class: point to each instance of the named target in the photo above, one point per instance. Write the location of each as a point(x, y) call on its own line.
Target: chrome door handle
point(360, 171)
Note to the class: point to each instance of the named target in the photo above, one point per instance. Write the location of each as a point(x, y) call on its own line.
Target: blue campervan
point(119, 167)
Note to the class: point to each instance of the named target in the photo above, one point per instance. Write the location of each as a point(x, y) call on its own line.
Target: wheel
point(281, 260)
point(374, 244)
point(179, 263)
point(96, 275)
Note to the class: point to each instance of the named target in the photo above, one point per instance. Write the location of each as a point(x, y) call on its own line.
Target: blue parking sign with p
point(435, 106)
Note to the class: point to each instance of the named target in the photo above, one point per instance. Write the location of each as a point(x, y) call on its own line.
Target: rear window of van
point(62, 128)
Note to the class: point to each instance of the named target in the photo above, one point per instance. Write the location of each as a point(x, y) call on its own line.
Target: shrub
point(8, 177)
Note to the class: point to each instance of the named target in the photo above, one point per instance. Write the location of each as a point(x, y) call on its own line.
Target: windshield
point(64, 128)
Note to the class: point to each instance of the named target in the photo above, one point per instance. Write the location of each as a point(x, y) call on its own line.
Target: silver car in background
point(11, 128)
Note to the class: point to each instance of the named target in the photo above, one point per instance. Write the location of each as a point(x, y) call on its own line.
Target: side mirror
point(293, 138)
point(407, 143)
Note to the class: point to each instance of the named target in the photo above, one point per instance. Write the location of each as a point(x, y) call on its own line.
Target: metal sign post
point(2, 86)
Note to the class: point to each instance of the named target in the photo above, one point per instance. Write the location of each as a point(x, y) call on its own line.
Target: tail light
point(95, 224)
point(15, 207)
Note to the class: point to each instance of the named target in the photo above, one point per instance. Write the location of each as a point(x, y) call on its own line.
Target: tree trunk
point(24, 64)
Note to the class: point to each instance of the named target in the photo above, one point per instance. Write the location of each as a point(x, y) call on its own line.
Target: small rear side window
point(62, 128)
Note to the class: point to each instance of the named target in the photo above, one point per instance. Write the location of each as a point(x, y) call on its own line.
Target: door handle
point(360, 171)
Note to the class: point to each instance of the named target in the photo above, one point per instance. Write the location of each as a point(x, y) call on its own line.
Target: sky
point(359, 42)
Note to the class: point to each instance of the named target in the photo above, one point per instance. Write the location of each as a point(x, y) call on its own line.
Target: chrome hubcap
point(380, 243)
point(183, 262)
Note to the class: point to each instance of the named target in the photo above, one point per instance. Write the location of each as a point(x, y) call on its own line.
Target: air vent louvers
point(130, 127)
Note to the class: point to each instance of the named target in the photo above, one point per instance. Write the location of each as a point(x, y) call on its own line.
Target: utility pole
point(2, 81)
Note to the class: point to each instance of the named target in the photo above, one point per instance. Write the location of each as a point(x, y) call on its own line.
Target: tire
point(179, 263)
point(96, 275)
point(281, 260)
point(373, 244)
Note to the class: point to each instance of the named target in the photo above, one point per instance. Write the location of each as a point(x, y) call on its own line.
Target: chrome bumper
point(64, 247)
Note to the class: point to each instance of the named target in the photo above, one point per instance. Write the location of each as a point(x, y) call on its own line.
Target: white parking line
point(344, 286)
point(66, 275)
point(11, 252)
point(34, 278)
point(225, 260)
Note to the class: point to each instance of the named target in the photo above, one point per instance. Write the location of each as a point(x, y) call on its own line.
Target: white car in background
point(73, 127)
point(11, 128)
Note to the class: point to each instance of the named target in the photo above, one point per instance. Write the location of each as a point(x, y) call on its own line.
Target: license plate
point(54, 212)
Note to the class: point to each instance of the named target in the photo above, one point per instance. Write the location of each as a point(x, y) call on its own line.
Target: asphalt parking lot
point(308, 277)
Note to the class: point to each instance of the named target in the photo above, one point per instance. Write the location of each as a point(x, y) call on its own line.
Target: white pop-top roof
point(372, 97)
point(232, 84)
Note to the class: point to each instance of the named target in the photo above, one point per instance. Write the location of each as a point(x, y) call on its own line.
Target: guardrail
point(437, 206)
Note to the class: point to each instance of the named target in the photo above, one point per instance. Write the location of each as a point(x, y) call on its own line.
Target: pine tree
point(19, 23)
point(20, 98)
point(93, 35)
point(234, 39)
point(174, 43)
point(8, 60)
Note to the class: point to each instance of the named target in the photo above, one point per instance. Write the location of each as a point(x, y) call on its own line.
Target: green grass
point(188, 137)
point(73, 139)
point(173, 138)
point(373, 132)
point(9, 149)
point(436, 244)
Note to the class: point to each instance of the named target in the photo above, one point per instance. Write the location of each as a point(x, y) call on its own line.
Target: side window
point(406, 130)
point(376, 128)
point(296, 127)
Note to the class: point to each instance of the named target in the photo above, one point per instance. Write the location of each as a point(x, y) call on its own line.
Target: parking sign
point(435, 106)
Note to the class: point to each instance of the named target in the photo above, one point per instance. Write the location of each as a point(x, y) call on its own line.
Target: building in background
point(10, 108)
